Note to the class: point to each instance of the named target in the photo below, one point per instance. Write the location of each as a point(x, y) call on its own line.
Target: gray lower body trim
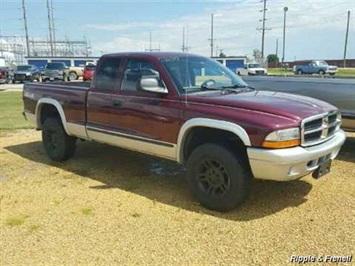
point(144, 145)
point(77, 130)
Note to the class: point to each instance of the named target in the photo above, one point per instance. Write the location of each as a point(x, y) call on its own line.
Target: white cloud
point(235, 29)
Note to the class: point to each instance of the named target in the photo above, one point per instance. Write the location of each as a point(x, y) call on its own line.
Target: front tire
point(321, 72)
point(217, 178)
point(299, 72)
point(58, 145)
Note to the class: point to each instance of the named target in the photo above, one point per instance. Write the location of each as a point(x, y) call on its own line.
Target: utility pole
point(346, 38)
point(263, 30)
point(277, 48)
point(284, 35)
point(150, 40)
point(212, 35)
point(183, 48)
point(26, 29)
point(50, 28)
point(53, 29)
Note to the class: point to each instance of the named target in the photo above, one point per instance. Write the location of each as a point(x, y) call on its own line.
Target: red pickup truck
point(192, 110)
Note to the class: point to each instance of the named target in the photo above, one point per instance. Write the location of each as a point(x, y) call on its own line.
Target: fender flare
point(210, 123)
point(59, 108)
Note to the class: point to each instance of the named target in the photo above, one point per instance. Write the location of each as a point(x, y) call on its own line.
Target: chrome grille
point(319, 128)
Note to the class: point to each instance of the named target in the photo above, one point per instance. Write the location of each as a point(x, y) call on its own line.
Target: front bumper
point(293, 163)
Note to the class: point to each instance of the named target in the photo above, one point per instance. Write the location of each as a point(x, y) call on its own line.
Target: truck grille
point(319, 128)
point(20, 76)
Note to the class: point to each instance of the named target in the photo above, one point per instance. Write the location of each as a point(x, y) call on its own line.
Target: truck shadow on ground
point(162, 180)
point(347, 152)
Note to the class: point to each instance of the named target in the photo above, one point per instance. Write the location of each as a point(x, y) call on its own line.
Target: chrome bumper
point(293, 163)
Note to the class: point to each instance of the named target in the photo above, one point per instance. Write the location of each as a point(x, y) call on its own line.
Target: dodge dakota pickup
point(192, 110)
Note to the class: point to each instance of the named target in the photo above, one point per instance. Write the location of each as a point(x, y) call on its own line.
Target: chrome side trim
point(135, 143)
point(57, 105)
point(77, 130)
point(211, 123)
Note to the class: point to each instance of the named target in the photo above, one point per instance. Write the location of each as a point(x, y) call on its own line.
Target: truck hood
point(292, 106)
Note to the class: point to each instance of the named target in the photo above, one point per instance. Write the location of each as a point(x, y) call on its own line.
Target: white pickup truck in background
point(251, 69)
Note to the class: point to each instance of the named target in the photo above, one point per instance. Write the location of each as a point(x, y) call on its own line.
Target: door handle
point(116, 103)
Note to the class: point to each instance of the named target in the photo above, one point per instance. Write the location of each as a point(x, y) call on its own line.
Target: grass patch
point(11, 108)
point(346, 71)
point(282, 71)
point(87, 211)
point(136, 215)
point(16, 221)
point(34, 228)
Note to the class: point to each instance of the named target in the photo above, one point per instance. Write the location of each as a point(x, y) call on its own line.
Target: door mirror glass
point(152, 85)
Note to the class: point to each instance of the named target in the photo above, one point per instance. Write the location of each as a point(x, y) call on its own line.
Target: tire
point(321, 72)
point(217, 178)
point(13, 81)
point(72, 76)
point(299, 72)
point(58, 145)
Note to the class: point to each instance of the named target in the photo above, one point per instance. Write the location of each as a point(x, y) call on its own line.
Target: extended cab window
point(135, 70)
point(107, 74)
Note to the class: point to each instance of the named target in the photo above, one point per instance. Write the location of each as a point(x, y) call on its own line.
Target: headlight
point(284, 138)
point(28, 74)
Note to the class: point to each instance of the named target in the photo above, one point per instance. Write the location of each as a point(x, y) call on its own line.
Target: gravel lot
point(108, 206)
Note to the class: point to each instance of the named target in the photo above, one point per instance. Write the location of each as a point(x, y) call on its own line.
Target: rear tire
point(72, 76)
point(59, 146)
point(321, 72)
point(217, 178)
point(299, 72)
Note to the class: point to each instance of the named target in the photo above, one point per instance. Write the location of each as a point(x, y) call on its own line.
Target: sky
point(315, 29)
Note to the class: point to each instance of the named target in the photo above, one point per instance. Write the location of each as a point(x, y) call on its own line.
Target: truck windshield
point(192, 74)
point(254, 66)
point(23, 68)
point(55, 66)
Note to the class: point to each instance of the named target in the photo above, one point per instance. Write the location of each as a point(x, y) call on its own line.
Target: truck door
point(121, 114)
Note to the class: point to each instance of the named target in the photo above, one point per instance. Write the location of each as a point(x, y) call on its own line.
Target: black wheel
point(13, 81)
point(299, 72)
point(321, 72)
point(58, 145)
point(217, 178)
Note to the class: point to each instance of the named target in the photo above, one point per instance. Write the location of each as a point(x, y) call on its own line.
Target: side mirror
point(152, 85)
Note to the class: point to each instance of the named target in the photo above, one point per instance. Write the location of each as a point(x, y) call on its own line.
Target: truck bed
point(70, 95)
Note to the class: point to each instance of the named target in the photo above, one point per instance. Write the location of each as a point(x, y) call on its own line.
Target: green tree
point(272, 58)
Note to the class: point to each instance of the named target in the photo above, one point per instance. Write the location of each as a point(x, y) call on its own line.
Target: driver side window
point(134, 71)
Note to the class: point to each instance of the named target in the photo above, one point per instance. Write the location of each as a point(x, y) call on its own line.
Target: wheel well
point(200, 135)
point(48, 110)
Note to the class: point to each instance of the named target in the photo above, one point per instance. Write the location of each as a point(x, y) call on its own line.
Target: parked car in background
point(5, 75)
point(88, 72)
point(75, 72)
point(320, 67)
point(251, 69)
point(56, 71)
point(26, 73)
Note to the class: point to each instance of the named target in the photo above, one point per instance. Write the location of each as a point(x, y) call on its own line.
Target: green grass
point(282, 71)
point(16, 221)
point(11, 108)
point(346, 71)
point(87, 211)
